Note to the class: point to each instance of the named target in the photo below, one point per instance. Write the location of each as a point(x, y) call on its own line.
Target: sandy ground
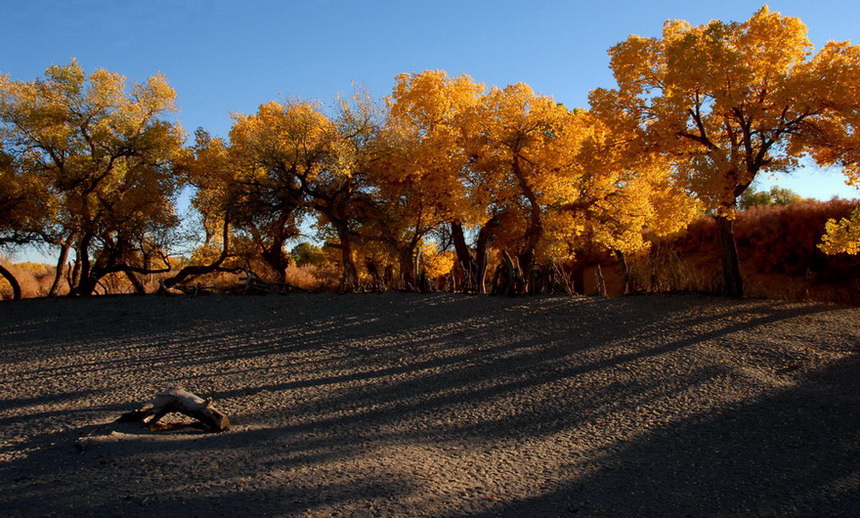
point(433, 405)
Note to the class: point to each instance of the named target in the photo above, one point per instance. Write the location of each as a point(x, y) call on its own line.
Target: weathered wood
point(177, 399)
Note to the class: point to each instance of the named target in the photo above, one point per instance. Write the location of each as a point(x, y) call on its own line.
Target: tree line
point(442, 165)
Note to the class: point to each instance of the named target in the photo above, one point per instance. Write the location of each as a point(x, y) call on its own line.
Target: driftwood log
point(177, 399)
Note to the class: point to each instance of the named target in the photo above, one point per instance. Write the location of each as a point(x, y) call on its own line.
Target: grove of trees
point(499, 186)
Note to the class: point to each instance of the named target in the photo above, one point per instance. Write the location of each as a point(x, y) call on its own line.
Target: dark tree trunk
point(465, 258)
point(579, 279)
point(61, 265)
point(84, 282)
point(534, 230)
point(86, 286)
point(458, 237)
point(733, 284)
point(474, 263)
point(277, 260)
point(376, 278)
point(74, 276)
point(508, 279)
point(626, 279)
point(16, 288)
point(349, 279)
point(407, 268)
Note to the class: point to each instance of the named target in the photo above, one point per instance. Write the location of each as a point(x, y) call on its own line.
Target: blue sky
point(231, 56)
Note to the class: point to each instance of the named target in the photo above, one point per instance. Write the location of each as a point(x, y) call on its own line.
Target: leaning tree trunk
point(139, 286)
point(16, 288)
point(465, 258)
point(61, 266)
point(733, 283)
point(195, 270)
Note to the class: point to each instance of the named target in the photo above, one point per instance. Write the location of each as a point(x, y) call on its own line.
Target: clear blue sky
point(231, 56)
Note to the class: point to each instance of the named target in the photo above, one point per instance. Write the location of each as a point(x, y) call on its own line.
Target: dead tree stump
point(177, 399)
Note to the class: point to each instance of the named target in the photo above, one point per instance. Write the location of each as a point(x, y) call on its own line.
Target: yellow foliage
point(102, 158)
point(434, 262)
point(726, 101)
point(842, 236)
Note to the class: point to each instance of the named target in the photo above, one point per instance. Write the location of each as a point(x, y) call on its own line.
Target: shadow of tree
point(796, 453)
point(444, 405)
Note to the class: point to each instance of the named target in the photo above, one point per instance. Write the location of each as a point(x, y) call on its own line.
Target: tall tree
point(728, 101)
point(522, 150)
point(276, 153)
point(419, 176)
point(206, 166)
point(106, 153)
point(339, 192)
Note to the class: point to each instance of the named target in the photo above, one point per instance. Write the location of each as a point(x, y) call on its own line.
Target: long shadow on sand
point(596, 382)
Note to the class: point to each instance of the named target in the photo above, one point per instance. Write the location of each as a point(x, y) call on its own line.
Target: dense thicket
point(778, 252)
point(490, 189)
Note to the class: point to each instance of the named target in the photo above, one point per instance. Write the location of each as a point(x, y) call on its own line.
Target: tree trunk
point(601, 281)
point(407, 268)
point(349, 279)
point(626, 279)
point(74, 276)
point(193, 271)
point(482, 255)
point(578, 281)
point(61, 265)
point(376, 278)
point(509, 278)
point(86, 286)
point(84, 283)
point(534, 229)
point(465, 258)
point(733, 284)
point(16, 288)
point(139, 287)
point(277, 260)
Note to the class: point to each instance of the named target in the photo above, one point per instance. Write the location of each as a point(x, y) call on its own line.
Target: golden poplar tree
point(729, 101)
point(523, 149)
point(274, 154)
point(106, 153)
point(419, 173)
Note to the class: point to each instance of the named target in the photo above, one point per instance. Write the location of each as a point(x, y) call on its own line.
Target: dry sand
point(434, 405)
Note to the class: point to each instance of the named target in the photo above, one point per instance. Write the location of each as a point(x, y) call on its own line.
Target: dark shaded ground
point(441, 405)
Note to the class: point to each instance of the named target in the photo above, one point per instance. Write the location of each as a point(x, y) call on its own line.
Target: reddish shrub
point(778, 249)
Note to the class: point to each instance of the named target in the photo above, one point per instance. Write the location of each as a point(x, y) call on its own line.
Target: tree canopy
point(103, 157)
point(730, 100)
point(445, 176)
